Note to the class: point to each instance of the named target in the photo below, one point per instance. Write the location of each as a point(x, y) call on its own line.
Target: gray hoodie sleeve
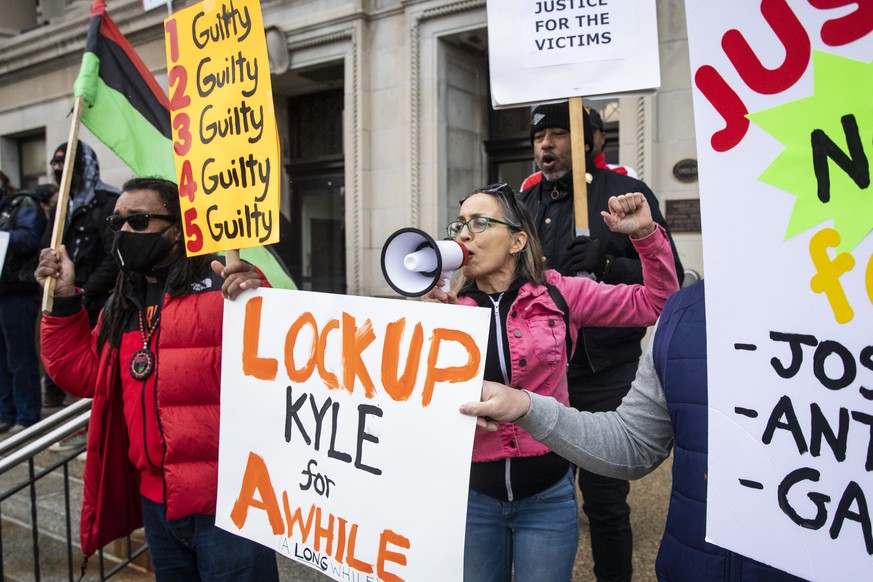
point(627, 443)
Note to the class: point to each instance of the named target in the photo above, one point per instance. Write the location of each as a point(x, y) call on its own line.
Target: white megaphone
point(413, 262)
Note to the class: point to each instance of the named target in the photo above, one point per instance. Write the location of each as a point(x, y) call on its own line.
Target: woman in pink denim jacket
point(521, 513)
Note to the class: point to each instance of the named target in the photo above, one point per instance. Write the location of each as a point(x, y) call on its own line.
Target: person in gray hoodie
point(661, 412)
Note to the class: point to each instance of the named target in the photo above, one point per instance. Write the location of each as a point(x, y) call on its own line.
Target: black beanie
point(61, 153)
point(557, 115)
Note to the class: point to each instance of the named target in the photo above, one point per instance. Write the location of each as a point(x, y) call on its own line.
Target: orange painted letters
point(452, 373)
point(252, 364)
point(389, 537)
point(257, 478)
point(399, 386)
point(354, 341)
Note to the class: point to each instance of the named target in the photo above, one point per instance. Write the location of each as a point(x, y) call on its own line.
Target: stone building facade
point(384, 118)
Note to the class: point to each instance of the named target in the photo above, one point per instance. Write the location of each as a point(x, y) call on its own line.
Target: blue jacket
point(679, 349)
point(24, 220)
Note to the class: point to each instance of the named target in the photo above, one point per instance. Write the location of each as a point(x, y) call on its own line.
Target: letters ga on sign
point(545, 50)
point(341, 442)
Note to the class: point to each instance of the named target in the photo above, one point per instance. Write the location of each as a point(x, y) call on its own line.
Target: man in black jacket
point(605, 360)
point(86, 235)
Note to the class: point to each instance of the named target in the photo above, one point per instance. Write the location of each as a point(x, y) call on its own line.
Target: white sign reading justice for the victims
point(542, 50)
point(341, 442)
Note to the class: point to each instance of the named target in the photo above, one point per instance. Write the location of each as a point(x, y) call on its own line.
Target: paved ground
point(649, 498)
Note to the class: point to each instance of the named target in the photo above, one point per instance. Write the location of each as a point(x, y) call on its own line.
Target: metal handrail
point(43, 429)
point(22, 449)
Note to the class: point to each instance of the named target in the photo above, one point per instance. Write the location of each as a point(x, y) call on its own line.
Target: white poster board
point(341, 442)
point(784, 132)
point(152, 4)
point(545, 50)
point(4, 247)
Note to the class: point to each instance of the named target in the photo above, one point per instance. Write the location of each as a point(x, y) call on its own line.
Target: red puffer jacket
point(188, 356)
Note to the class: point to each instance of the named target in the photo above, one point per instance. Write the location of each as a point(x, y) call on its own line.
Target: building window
point(24, 15)
point(510, 154)
point(317, 189)
point(34, 165)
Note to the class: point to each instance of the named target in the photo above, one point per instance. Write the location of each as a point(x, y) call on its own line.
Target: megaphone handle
point(586, 274)
point(447, 281)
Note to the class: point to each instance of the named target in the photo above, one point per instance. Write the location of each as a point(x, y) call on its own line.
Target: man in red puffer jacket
point(153, 367)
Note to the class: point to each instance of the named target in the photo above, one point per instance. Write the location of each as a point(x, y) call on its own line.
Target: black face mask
point(141, 252)
point(58, 175)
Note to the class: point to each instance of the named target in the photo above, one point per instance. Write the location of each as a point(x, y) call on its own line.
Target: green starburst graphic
point(842, 87)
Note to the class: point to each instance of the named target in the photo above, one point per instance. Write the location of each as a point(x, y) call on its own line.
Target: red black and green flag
point(125, 108)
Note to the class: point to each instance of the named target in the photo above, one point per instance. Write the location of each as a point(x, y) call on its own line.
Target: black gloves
point(584, 254)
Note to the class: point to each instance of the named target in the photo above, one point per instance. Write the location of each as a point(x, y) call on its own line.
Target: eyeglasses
point(137, 222)
point(474, 225)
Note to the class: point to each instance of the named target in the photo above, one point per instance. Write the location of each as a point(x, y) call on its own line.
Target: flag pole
point(48, 295)
point(580, 173)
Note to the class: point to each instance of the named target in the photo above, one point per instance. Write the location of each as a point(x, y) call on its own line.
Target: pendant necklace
point(142, 364)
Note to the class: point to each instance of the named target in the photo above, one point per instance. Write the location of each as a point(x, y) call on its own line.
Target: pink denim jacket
point(536, 331)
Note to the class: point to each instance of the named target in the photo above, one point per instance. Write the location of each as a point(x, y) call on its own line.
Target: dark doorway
point(317, 190)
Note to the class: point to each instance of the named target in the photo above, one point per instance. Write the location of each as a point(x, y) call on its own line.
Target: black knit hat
point(61, 154)
point(557, 115)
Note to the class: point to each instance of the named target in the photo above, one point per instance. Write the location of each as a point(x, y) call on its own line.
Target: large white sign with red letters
point(784, 120)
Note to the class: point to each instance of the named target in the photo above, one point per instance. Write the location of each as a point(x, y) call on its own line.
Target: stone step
point(51, 511)
point(54, 564)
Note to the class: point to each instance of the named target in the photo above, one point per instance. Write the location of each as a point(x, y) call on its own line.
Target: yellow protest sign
point(224, 126)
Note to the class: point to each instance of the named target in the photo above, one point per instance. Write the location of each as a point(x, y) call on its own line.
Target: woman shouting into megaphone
point(521, 510)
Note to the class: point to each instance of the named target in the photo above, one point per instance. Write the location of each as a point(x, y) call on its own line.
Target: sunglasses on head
point(138, 222)
point(503, 189)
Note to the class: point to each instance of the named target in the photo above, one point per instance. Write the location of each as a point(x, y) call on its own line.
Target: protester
point(86, 234)
point(598, 144)
point(23, 220)
point(597, 153)
point(602, 369)
point(89, 243)
point(152, 453)
point(661, 412)
point(48, 197)
point(521, 512)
